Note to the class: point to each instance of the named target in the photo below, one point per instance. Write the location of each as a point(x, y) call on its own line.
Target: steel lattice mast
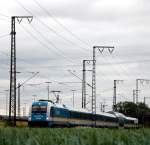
point(115, 94)
point(12, 97)
point(94, 83)
point(12, 100)
point(101, 49)
point(137, 87)
point(84, 83)
point(19, 99)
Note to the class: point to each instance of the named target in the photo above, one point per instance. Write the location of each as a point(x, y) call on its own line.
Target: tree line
point(138, 110)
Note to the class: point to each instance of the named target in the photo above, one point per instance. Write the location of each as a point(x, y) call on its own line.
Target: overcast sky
point(62, 34)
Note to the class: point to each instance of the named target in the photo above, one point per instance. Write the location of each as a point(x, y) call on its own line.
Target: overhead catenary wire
point(110, 63)
point(39, 19)
point(60, 51)
point(36, 2)
point(4, 35)
point(4, 18)
point(29, 79)
point(107, 61)
point(45, 46)
point(122, 67)
point(50, 29)
point(50, 14)
point(99, 64)
point(46, 24)
point(4, 15)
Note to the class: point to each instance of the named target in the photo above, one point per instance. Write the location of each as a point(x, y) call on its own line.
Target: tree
point(133, 110)
point(127, 108)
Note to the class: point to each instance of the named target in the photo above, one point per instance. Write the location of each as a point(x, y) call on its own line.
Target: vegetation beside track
point(6, 123)
point(73, 136)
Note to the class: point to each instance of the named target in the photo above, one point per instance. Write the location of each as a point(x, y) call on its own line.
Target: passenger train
point(45, 113)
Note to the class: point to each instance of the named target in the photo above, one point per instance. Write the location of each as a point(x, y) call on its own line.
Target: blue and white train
point(45, 113)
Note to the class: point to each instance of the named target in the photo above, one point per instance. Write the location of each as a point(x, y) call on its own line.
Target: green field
point(73, 136)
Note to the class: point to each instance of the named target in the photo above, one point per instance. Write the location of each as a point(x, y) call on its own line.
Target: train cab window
point(39, 109)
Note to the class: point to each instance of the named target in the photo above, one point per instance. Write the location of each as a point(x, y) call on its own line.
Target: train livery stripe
point(60, 119)
point(83, 122)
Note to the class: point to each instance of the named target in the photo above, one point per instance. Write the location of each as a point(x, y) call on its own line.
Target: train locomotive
point(45, 113)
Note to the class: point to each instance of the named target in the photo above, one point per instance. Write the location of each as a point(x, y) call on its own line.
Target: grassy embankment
point(73, 136)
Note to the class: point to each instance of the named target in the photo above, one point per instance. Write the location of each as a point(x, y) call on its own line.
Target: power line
point(115, 93)
point(101, 49)
point(6, 18)
point(2, 36)
point(12, 100)
point(42, 21)
point(121, 66)
point(100, 64)
point(78, 78)
point(50, 29)
point(58, 22)
point(29, 79)
point(43, 44)
point(3, 19)
point(51, 43)
point(4, 15)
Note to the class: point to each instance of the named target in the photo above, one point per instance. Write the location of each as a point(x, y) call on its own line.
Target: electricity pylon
point(84, 82)
point(115, 94)
point(137, 86)
point(56, 93)
point(48, 89)
point(12, 97)
point(101, 49)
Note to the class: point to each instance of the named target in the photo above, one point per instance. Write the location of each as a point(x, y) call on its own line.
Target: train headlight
point(29, 118)
point(47, 118)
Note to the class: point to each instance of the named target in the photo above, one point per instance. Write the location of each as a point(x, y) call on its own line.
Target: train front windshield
point(38, 114)
point(39, 109)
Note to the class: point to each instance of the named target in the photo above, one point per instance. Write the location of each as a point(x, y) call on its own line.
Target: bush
point(8, 123)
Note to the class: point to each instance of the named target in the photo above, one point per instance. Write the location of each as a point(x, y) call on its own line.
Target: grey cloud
point(125, 27)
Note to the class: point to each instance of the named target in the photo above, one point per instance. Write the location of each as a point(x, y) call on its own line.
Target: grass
point(73, 136)
point(4, 123)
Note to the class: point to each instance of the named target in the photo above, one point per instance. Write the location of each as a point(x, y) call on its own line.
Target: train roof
point(83, 110)
point(131, 118)
point(40, 103)
point(73, 109)
point(107, 114)
point(117, 114)
point(70, 108)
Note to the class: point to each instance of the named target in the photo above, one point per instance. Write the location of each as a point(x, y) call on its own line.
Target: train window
point(75, 115)
point(72, 114)
point(80, 115)
point(83, 116)
point(89, 116)
point(106, 118)
point(59, 112)
point(39, 109)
